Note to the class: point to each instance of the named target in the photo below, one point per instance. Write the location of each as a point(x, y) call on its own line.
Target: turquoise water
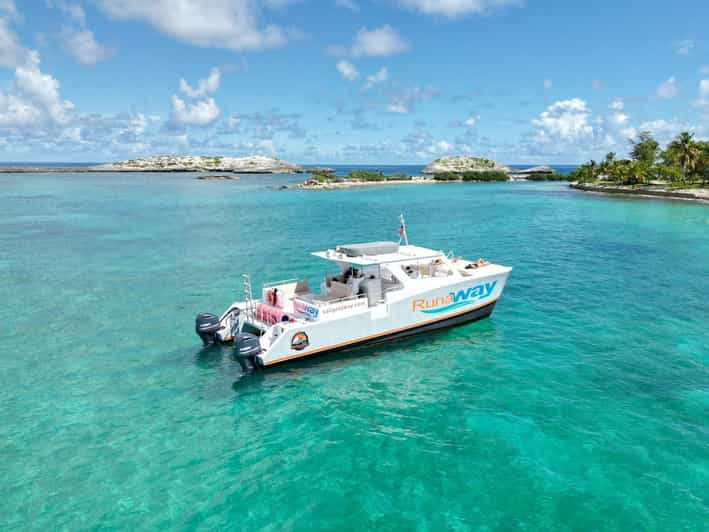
point(582, 404)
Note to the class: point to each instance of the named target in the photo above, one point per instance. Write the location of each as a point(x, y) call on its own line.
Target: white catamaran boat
point(383, 291)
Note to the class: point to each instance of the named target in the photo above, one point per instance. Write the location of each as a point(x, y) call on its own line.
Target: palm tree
point(686, 151)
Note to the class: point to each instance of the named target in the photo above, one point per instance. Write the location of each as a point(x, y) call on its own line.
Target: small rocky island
point(459, 164)
point(258, 164)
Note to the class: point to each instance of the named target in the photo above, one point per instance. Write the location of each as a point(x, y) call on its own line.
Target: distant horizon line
point(6, 164)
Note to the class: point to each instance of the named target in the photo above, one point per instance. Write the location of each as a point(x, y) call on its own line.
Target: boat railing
point(280, 283)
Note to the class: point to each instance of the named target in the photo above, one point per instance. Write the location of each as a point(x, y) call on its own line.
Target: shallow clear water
point(583, 403)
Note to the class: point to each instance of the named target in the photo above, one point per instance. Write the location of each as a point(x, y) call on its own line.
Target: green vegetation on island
point(684, 163)
point(496, 176)
point(473, 176)
point(357, 175)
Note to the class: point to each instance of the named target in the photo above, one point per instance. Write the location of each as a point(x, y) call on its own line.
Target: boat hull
point(405, 312)
point(467, 316)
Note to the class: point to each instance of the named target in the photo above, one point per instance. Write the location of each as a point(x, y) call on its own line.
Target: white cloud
point(617, 105)
point(455, 8)
point(618, 118)
point(443, 146)
point(667, 89)
point(83, 47)
point(398, 106)
point(347, 70)
point(230, 24)
point(470, 122)
point(200, 113)
point(77, 39)
point(703, 100)
point(11, 52)
point(379, 42)
point(203, 110)
point(684, 47)
point(205, 86)
point(378, 77)
point(547, 84)
point(73, 11)
point(565, 120)
point(35, 100)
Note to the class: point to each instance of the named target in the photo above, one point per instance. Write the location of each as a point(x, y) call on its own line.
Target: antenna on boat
point(402, 231)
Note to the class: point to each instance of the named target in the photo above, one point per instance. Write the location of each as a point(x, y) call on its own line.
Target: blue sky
point(348, 81)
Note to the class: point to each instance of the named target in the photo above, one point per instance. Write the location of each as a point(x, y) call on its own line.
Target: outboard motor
point(206, 325)
point(246, 347)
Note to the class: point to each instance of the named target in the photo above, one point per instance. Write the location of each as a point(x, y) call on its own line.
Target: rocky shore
point(652, 191)
point(258, 164)
point(312, 184)
point(460, 164)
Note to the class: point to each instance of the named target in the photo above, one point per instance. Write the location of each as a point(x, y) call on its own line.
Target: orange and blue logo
point(454, 300)
point(299, 341)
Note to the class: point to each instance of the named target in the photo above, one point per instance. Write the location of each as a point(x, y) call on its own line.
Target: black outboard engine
point(206, 325)
point(246, 347)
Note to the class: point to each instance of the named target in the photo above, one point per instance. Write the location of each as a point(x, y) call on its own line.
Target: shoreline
point(695, 195)
point(339, 185)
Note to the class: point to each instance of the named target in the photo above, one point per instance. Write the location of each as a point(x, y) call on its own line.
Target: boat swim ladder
point(249, 296)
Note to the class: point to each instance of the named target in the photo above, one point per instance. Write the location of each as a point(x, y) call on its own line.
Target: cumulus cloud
point(421, 144)
point(230, 24)
point(379, 42)
point(665, 130)
point(82, 46)
point(667, 89)
point(618, 118)
point(703, 100)
point(347, 70)
point(398, 106)
point(11, 52)
point(402, 100)
point(204, 110)
point(378, 77)
point(77, 39)
point(205, 86)
point(72, 10)
point(564, 121)
point(35, 99)
point(617, 105)
point(455, 8)
point(199, 113)
point(468, 123)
